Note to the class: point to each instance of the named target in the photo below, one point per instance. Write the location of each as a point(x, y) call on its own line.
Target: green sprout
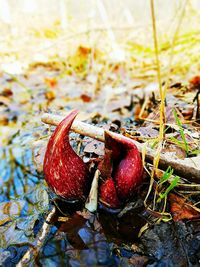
point(165, 178)
point(186, 147)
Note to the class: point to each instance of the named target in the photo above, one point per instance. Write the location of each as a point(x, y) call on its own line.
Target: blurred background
point(36, 30)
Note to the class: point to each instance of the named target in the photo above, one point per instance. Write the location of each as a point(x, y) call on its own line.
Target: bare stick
point(188, 167)
point(33, 251)
point(77, 126)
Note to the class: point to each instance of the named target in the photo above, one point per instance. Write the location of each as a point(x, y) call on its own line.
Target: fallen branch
point(188, 168)
point(32, 253)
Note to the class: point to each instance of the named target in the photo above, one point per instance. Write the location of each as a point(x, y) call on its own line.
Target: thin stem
point(162, 104)
point(173, 46)
point(156, 46)
point(41, 239)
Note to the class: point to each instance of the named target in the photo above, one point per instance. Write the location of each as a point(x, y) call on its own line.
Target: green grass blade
point(166, 175)
point(177, 142)
point(181, 131)
point(172, 185)
point(195, 152)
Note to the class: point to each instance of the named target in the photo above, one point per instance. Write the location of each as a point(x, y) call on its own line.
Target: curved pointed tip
point(74, 112)
point(70, 117)
point(63, 127)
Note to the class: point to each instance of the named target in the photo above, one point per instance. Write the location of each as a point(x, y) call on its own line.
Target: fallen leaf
point(148, 131)
point(138, 260)
point(7, 92)
point(84, 51)
point(181, 209)
point(86, 98)
point(170, 119)
point(174, 150)
point(4, 119)
point(39, 149)
point(9, 210)
point(50, 95)
point(95, 147)
point(51, 82)
point(4, 100)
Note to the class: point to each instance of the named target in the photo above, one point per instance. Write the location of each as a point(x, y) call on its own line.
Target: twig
point(33, 251)
point(187, 168)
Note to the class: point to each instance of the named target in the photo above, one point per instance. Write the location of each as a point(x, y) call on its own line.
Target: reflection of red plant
point(122, 166)
point(64, 170)
point(68, 176)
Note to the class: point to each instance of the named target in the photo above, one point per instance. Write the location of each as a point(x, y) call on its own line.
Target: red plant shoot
point(65, 172)
point(68, 176)
point(125, 170)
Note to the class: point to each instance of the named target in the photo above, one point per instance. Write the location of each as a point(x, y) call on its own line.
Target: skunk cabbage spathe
point(65, 172)
point(68, 176)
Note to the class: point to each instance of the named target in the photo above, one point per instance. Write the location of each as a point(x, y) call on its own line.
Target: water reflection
point(87, 247)
point(22, 191)
point(18, 174)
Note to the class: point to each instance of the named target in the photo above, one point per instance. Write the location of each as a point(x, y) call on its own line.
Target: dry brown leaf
point(50, 95)
point(85, 98)
point(4, 100)
point(51, 82)
point(181, 209)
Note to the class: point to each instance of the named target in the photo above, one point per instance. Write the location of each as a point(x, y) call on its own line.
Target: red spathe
point(125, 170)
point(65, 172)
